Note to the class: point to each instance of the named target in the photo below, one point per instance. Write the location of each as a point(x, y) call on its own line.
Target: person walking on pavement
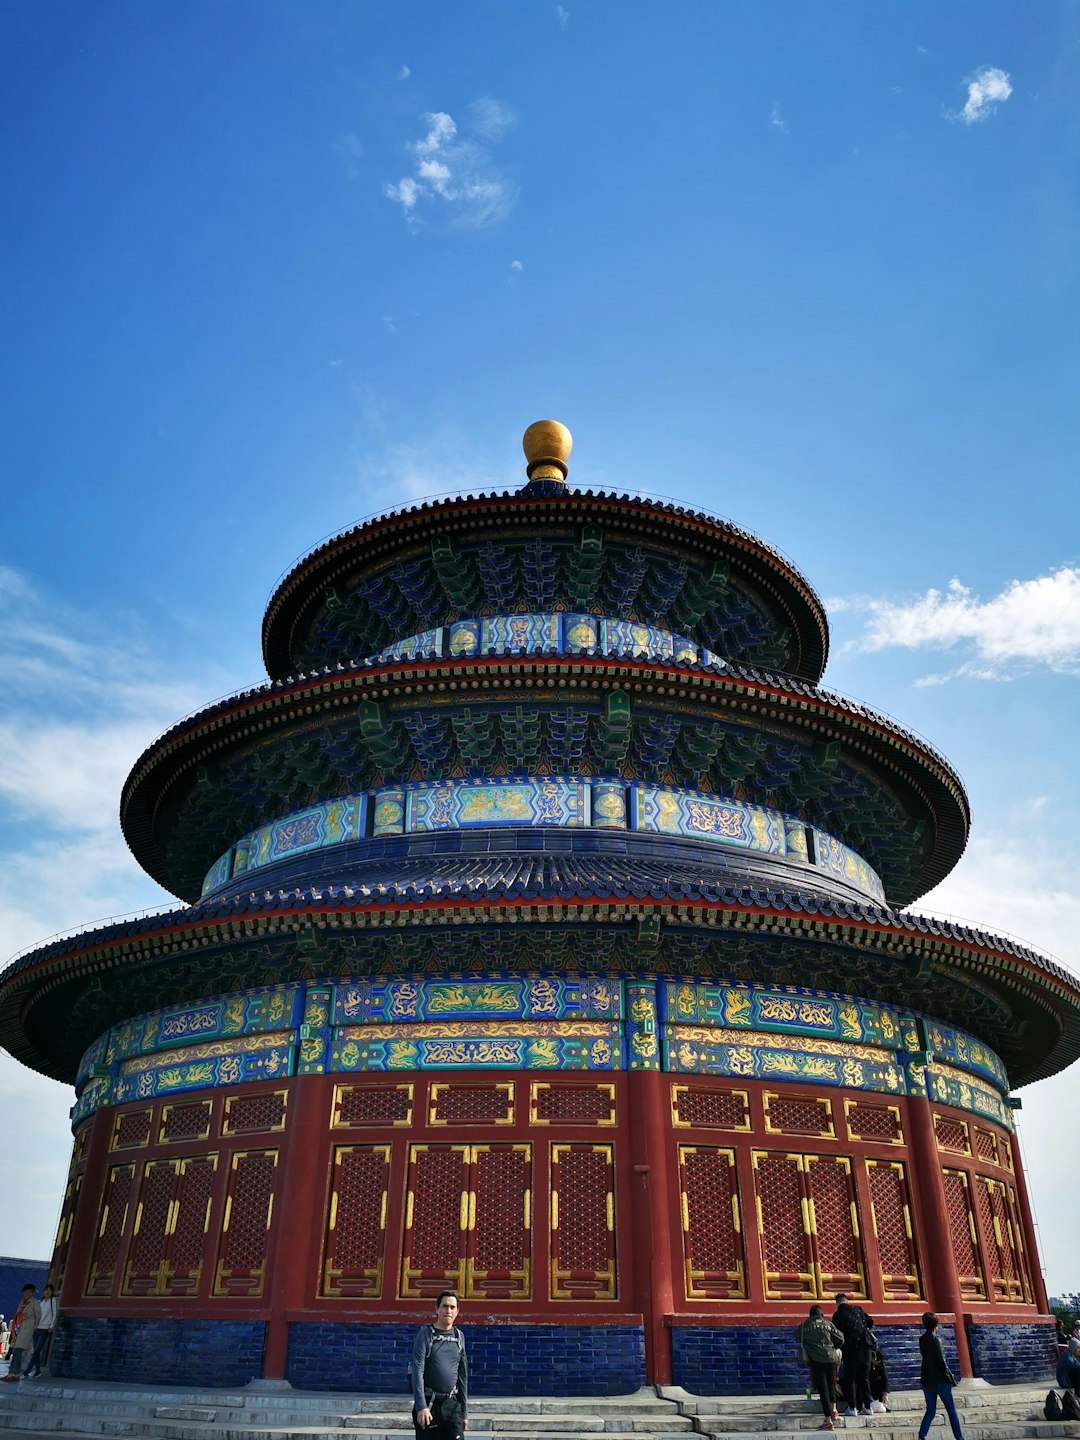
point(936, 1379)
point(820, 1340)
point(440, 1375)
point(851, 1321)
point(24, 1325)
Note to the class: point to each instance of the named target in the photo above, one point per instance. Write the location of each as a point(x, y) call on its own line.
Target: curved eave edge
point(745, 908)
point(792, 695)
point(306, 572)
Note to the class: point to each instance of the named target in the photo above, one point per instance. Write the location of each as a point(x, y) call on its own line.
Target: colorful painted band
point(575, 801)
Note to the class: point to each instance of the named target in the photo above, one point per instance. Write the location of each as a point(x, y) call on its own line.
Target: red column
point(87, 1212)
point(939, 1265)
point(1034, 1268)
point(652, 1228)
point(296, 1241)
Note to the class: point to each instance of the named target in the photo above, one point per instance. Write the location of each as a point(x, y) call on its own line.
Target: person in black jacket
point(936, 1379)
point(851, 1321)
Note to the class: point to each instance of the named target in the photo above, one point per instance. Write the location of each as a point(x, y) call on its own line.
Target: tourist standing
point(24, 1325)
point(43, 1334)
point(852, 1321)
point(936, 1379)
point(440, 1375)
point(820, 1341)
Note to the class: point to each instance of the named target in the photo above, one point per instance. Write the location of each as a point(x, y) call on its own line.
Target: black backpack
point(1052, 1409)
point(1070, 1406)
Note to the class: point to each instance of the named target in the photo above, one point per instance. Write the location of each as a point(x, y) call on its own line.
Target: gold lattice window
point(249, 1201)
point(362, 1105)
point(952, 1134)
point(985, 1144)
point(583, 1222)
point(112, 1223)
point(248, 1114)
point(713, 1258)
point(811, 1244)
point(869, 1121)
point(356, 1225)
point(799, 1115)
point(483, 1104)
point(468, 1221)
point(710, 1108)
point(555, 1102)
point(962, 1235)
point(890, 1211)
point(187, 1121)
point(131, 1129)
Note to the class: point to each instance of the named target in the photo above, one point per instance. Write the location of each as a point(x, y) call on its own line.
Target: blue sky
point(270, 267)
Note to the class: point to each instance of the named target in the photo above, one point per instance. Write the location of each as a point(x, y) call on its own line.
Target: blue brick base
point(1012, 1354)
point(166, 1352)
point(740, 1360)
point(503, 1359)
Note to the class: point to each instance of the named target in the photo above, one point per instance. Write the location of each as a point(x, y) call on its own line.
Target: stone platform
point(48, 1409)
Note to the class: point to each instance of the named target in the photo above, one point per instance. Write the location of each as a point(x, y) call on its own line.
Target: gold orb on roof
point(547, 446)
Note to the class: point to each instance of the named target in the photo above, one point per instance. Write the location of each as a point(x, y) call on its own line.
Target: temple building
point(545, 938)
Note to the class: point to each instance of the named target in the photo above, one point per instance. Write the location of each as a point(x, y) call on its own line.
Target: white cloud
point(388, 322)
point(79, 703)
point(404, 73)
point(777, 121)
point(490, 119)
point(563, 16)
point(988, 88)
point(1031, 622)
point(458, 172)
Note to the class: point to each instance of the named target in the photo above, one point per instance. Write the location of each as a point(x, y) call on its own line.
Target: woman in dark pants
point(820, 1340)
point(936, 1379)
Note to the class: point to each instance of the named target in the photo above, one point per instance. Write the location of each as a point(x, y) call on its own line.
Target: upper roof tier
point(546, 548)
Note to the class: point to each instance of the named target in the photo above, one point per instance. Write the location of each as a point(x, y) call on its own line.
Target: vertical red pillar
point(939, 1265)
point(296, 1241)
point(652, 1227)
point(87, 1212)
point(1038, 1284)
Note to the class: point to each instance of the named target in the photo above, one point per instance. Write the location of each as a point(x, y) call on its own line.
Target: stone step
point(973, 1430)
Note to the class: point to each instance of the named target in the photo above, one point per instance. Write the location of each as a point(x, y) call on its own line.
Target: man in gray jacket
point(440, 1375)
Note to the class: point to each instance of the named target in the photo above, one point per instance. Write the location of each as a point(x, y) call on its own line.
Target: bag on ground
point(1052, 1408)
point(1070, 1406)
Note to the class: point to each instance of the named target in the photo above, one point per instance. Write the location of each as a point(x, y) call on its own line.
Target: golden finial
point(547, 446)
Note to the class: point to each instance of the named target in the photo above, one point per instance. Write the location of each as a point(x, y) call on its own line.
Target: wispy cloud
point(777, 121)
point(1030, 623)
point(562, 15)
point(516, 267)
point(351, 149)
point(404, 73)
point(457, 172)
point(988, 88)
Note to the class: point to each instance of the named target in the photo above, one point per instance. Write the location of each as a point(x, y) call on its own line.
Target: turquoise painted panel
point(462, 804)
point(519, 635)
point(642, 642)
point(664, 810)
point(688, 1054)
point(838, 860)
point(219, 872)
point(425, 646)
point(536, 997)
point(966, 1053)
point(789, 1011)
point(356, 1051)
point(580, 634)
point(389, 811)
point(609, 805)
point(464, 638)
